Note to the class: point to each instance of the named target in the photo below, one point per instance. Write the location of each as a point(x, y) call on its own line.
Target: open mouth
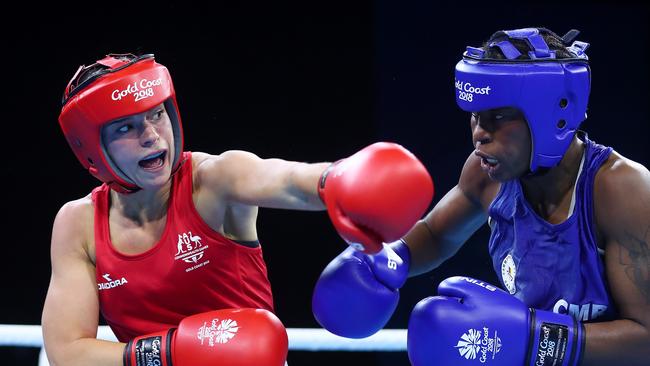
point(489, 165)
point(153, 161)
point(489, 161)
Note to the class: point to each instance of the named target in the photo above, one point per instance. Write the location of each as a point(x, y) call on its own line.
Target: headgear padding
point(552, 93)
point(124, 85)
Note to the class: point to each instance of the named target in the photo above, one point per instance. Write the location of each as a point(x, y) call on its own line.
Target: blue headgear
point(552, 93)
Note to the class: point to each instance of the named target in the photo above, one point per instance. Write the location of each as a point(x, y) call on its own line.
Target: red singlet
point(191, 269)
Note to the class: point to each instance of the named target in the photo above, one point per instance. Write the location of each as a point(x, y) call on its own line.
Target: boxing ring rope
point(300, 339)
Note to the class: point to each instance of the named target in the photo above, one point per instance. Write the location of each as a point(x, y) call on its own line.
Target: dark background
point(312, 81)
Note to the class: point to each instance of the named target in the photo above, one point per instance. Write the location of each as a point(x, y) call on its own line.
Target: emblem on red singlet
point(189, 249)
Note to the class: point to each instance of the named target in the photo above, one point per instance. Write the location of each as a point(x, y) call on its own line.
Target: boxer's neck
point(143, 205)
point(553, 190)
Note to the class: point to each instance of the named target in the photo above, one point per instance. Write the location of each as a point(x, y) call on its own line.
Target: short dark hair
point(94, 69)
point(554, 42)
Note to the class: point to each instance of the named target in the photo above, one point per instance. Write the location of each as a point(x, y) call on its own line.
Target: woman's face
point(141, 146)
point(502, 140)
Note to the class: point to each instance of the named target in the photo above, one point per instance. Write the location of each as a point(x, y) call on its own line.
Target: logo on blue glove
point(478, 344)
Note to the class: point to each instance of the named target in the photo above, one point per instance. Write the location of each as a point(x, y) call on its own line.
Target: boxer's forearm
point(304, 180)
point(617, 342)
point(427, 250)
point(443, 231)
point(86, 351)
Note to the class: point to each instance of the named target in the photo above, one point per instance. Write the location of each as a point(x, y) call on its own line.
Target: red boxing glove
point(376, 195)
point(233, 337)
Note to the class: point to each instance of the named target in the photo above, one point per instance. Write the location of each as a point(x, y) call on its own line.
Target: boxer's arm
point(622, 208)
point(246, 178)
point(453, 220)
point(70, 314)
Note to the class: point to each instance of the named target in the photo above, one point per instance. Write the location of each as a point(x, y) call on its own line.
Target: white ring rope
point(300, 339)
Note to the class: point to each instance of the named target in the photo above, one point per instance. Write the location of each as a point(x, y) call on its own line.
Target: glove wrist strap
point(402, 250)
point(151, 349)
point(323, 178)
point(555, 339)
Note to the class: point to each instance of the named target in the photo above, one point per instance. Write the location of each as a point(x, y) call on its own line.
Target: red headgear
point(122, 85)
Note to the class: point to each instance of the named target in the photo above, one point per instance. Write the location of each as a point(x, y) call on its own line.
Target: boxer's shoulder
point(215, 177)
point(73, 226)
point(226, 165)
point(621, 188)
point(76, 213)
point(620, 178)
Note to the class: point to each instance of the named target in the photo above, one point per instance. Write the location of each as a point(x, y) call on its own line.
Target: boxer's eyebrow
point(120, 120)
point(508, 111)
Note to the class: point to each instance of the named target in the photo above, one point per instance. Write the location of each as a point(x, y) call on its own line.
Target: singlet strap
point(575, 184)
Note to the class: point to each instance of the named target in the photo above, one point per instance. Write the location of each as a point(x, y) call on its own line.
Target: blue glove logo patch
point(479, 344)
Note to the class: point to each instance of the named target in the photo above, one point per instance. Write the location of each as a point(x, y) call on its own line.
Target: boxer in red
point(166, 248)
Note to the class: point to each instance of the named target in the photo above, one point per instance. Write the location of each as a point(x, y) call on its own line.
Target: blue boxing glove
point(473, 320)
point(357, 293)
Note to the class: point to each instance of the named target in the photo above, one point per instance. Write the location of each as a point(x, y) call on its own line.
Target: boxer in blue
point(570, 222)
